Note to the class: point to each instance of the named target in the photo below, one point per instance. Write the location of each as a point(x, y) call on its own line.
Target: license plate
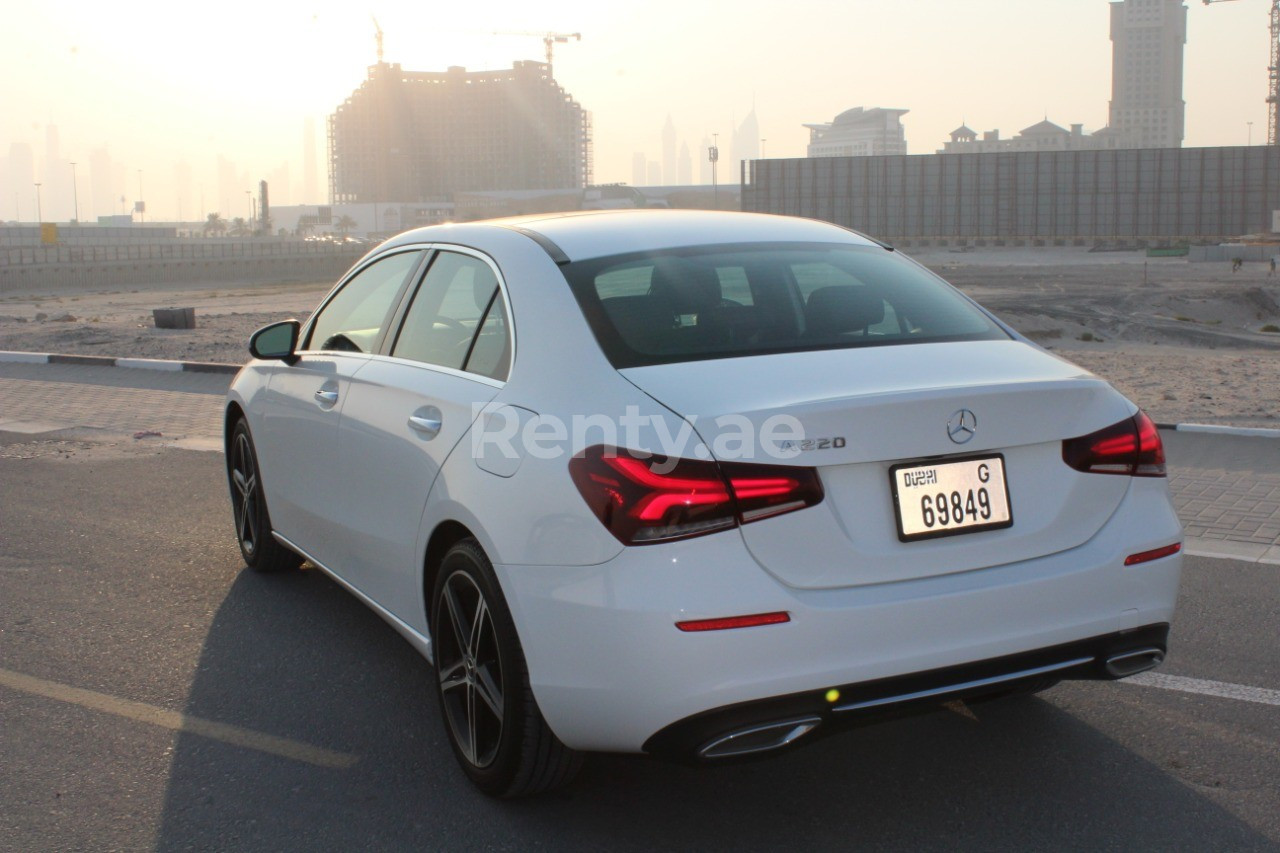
point(951, 497)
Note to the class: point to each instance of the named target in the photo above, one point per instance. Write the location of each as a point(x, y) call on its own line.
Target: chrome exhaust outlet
point(1131, 663)
point(760, 738)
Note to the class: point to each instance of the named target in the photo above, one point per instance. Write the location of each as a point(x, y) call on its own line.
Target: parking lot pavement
point(47, 398)
point(1227, 488)
point(155, 694)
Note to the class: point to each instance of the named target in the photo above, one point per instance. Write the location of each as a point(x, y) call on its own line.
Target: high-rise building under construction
point(412, 136)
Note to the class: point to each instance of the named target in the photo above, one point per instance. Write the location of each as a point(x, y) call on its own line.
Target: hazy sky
point(158, 84)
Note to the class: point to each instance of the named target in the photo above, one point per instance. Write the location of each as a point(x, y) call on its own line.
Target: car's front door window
point(354, 318)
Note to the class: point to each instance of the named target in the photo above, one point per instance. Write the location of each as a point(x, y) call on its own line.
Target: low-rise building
point(1041, 136)
point(859, 132)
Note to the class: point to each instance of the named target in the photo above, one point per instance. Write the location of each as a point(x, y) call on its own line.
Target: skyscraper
point(102, 192)
point(310, 181)
point(22, 176)
point(669, 151)
point(639, 169)
point(746, 143)
point(686, 165)
point(1146, 74)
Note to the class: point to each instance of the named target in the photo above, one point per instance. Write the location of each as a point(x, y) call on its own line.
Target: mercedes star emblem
point(962, 425)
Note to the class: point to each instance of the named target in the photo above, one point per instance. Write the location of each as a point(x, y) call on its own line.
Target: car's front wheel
point(494, 726)
point(260, 550)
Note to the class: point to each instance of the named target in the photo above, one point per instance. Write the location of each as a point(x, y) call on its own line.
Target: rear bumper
point(768, 725)
point(611, 672)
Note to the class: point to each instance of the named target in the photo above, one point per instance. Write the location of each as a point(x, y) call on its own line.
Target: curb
point(107, 361)
point(1229, 549)
point(1217, 429)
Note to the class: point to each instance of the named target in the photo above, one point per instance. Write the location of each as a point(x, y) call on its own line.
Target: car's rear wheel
point(260, 550)
point(494, 726)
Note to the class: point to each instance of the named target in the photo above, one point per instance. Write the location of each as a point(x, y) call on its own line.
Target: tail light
point(1131, 447)
point(658, 498)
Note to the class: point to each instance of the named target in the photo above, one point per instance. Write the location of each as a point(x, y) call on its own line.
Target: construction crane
point(1273, 74)
point(378, 36)
point(550, 40)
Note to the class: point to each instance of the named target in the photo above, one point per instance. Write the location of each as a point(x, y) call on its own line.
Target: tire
point(260, 550)
point(490, 716)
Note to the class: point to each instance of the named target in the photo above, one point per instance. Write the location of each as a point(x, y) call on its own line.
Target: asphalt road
point(155, 694)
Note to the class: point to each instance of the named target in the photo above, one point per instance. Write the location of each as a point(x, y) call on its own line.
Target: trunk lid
point(878, 407)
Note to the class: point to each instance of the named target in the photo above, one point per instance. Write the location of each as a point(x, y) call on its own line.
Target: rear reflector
point(1148, 556)
point(734, 622)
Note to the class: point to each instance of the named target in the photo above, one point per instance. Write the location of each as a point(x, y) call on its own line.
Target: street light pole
point(1250, 131)
point(75, 193)
point(142, 214)
point(39, 209)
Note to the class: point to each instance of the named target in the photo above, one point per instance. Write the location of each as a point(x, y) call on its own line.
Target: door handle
point(430, 427)
point(329, 397)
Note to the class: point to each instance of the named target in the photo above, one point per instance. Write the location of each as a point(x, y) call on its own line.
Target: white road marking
point(1244, 693)
point(174, 721)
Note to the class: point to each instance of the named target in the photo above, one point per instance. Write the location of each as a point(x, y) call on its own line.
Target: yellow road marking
point(174, 721)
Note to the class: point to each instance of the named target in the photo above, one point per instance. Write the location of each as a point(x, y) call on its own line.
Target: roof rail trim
point(555, 252)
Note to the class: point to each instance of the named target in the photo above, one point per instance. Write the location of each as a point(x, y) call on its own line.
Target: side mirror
point(278, 340)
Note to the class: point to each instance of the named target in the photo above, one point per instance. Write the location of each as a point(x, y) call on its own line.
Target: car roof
point(581, 235)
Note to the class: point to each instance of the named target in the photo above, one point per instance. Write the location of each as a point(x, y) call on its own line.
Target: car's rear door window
point(726, 301)
point(457, 318)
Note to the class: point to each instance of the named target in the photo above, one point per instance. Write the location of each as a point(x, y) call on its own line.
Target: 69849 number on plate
point(947, 498)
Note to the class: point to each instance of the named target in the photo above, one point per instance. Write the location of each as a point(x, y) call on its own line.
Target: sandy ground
point(1182, 340)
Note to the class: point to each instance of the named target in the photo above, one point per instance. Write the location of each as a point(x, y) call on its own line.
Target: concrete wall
point(1140, 196)
point(87, 235)
point(39, 268)
point(1224, 253)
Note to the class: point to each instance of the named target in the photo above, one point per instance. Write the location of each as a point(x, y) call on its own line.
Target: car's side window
point(457, 299)
point(352, 320)
point(491, 352)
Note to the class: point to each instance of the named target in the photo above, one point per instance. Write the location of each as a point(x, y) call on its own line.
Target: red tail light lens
point(658, 498)
point(1131, 447)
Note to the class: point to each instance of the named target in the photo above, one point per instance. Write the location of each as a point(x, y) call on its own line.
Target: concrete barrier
point(312, 267)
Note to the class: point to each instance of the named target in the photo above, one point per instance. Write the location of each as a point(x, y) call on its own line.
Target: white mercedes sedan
point(697, 485)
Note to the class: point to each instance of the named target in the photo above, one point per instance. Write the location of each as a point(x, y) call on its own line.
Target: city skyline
point(198, 102)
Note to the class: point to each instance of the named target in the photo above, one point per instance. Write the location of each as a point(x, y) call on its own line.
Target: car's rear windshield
point(730, 301)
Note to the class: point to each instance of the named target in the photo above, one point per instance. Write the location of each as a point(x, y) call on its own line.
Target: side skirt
point(416, 639)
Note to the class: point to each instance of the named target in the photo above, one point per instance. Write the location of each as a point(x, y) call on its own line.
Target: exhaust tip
point(1131, 663)
point(761, 738)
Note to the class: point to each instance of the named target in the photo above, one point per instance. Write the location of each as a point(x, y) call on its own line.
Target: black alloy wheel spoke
point(469, 671)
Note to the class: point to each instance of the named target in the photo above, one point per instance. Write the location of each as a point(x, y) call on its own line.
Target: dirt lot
point(1185, 341)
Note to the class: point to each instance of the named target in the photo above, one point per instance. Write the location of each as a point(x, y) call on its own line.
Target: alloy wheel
point(470, 670)
point(244, 480)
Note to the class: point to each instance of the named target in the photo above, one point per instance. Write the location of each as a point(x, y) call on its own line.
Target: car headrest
point(688, 287)
point(844, 308)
